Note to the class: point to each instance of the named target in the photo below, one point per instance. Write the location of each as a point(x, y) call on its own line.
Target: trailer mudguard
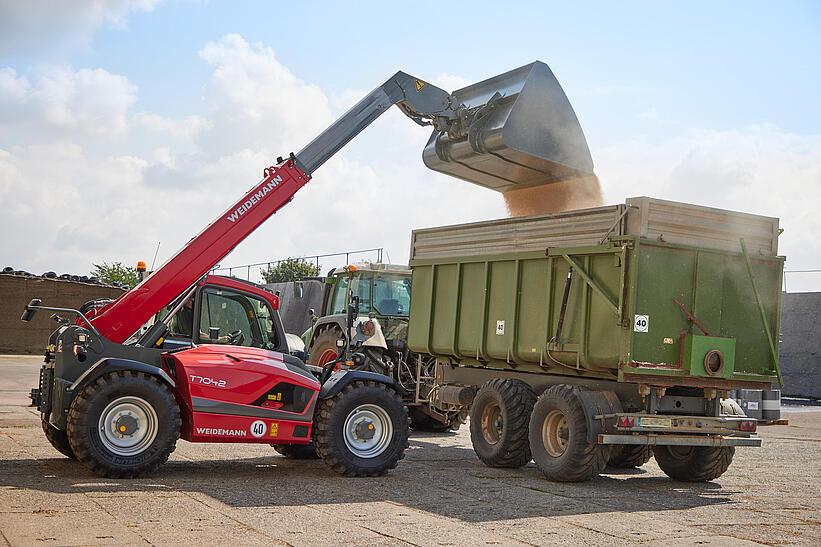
point(600, 408)
point(113, 364)
point(342, 378)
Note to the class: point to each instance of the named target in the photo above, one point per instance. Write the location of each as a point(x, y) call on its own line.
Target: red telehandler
point(117, 396)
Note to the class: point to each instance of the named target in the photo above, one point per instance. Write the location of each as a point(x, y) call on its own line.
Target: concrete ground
point(440, 494)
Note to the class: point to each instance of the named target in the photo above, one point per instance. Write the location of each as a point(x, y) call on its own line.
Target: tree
point(290, 269)
point(115, 274)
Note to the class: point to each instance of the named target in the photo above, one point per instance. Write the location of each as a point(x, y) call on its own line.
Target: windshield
point(391, 294)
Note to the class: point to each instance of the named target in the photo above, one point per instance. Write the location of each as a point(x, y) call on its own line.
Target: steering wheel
point(236, 338)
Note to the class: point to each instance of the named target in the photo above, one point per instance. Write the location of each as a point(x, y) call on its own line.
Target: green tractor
point(364, 312)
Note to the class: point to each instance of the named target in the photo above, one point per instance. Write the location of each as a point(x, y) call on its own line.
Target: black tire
point(330, 436)
point(420, 421)
point(694, 463)
point(89, 442)
point(629, 455)
point(58, 439)
point(499, 421)
point(558, 437)
point(323, 345)
point(297, 451)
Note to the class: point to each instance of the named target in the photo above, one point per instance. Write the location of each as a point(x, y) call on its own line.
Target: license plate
point(653, 421)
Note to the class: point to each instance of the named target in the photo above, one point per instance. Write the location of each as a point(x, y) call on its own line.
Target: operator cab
point(225, 311)
point(383, 289)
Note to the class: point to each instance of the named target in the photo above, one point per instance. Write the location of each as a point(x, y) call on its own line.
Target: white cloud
point(58, 99)
point(254, 101)
point(649, 114)
point(25, 29)
point(184, 128)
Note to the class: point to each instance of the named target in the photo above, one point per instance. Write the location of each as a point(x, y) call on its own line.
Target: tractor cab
point(383, 289)
point(383, 292)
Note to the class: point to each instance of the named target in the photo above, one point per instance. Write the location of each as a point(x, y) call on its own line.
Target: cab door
point(238, 318)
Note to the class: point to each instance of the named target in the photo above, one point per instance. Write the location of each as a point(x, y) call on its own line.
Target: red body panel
point(123, 317)
point(221, 388)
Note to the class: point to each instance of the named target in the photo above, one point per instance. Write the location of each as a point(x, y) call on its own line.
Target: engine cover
point(241, 394)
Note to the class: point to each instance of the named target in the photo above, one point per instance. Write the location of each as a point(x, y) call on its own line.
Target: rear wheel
point(499, 421)
point(629, 455)
point(323, 349)
point(124, 424)
point(57, 438)
point(297, 451)
point(362, 431)
point(558, 437)
point(694, 463)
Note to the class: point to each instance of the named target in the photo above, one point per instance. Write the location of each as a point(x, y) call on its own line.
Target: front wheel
point(57, 438)
point(362, 431)
point(694, 463)
point(124, 424)
point(498, 423)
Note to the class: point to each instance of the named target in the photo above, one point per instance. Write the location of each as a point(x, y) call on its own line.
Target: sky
point(128, 123)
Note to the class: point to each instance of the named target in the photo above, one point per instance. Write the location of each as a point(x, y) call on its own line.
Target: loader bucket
point(528, 134)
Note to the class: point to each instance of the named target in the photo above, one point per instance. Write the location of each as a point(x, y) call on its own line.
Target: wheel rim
point(555, 433)
point(368, 431)
point(326, 357)
point(128, 426)
point(492, 423)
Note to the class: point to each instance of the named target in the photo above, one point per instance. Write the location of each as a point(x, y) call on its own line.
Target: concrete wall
point(800, 350)
point(17, 291)
point(294, 309)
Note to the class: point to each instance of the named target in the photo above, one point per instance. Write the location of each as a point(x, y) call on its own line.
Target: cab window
point(340, 295)
point(242, 319)
point(391, 295)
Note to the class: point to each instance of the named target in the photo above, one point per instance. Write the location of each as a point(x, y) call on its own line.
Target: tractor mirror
point(214, 333)
point(28, 313)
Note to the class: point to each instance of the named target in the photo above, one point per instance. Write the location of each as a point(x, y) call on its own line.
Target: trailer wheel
point(57, 438)
point(694, 463)
point(499, 421)
point(297, 451)
point(323, 348)
point(629, 455)
point(124, 424)
point(362, 431)
point(558, 437)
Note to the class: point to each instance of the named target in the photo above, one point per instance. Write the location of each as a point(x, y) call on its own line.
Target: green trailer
point(602, 335)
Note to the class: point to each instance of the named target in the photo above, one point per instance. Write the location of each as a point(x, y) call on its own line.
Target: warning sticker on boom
point(641, 323)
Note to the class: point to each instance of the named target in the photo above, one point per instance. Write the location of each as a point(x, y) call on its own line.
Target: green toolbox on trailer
point(650, 309)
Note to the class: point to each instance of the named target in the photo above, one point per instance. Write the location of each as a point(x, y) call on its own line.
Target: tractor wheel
point(323, 349)
point(558, 437)
point(362, 431)
point(420, 421)
point(297, 451)
point(694, 463)
point(628, 456)
point(124, 424)
point(499, 420)
point(58, 439)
